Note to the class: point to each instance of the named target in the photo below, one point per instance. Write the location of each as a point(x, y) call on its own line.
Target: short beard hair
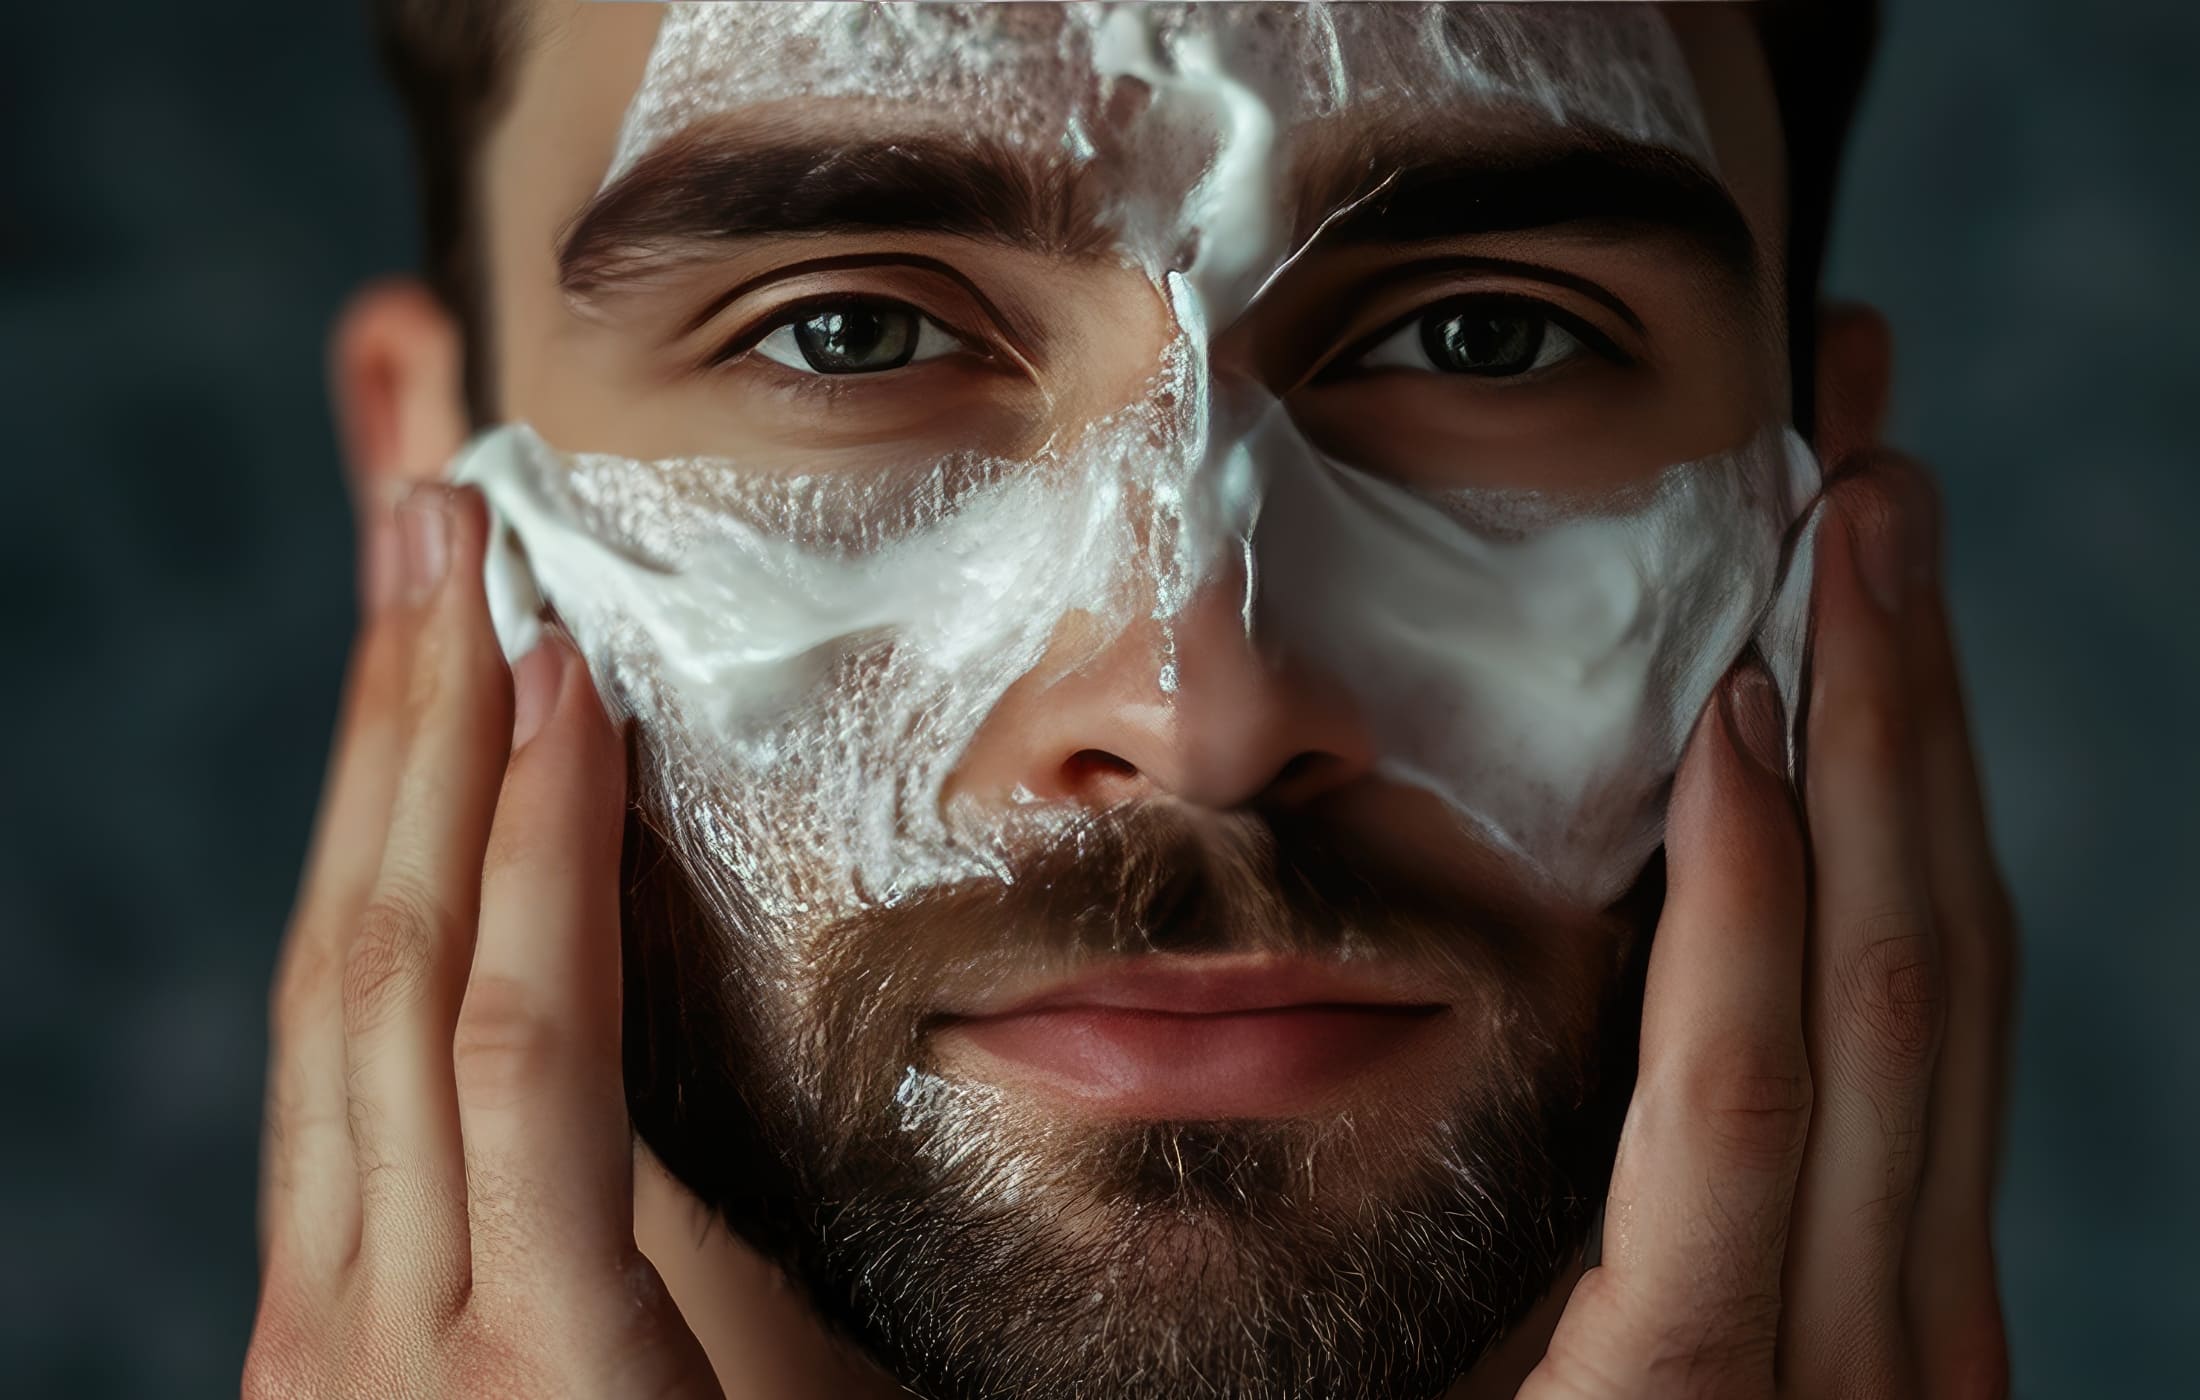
point(1198, 1260)
point(973, 1253)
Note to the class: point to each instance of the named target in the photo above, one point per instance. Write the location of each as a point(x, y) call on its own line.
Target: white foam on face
point(811, 657)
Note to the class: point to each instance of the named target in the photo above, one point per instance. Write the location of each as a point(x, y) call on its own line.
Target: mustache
point(742, 1066)
point(1156, 877)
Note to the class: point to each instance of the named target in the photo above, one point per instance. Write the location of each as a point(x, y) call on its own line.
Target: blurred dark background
point(189, 191)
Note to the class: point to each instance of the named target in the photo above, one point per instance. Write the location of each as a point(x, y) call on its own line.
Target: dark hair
point(1819, 52)
point(452, 62)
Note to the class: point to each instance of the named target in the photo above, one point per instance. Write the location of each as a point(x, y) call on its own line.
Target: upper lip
point(1212, 985)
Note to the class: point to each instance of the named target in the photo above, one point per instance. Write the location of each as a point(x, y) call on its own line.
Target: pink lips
point(1193, 1037)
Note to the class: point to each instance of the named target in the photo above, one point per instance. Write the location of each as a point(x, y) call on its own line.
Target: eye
point(856, 337)
point(1488, 338)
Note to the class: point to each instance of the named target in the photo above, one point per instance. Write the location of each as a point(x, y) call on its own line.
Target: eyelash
point(1340, 366)
point(797, 311)
point(1347, 362)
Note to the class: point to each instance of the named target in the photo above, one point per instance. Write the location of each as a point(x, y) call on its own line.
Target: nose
point(1236, 729)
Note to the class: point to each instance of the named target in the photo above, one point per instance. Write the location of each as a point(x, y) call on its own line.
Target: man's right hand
point(447, 1189)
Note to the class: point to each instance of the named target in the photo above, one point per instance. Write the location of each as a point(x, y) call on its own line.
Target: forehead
point(1045, 76)
point(601, 84)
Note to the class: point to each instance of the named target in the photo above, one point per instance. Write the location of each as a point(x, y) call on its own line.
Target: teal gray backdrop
point(188, 192)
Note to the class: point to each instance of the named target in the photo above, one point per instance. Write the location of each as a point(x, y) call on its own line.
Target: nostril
point(1088, 768)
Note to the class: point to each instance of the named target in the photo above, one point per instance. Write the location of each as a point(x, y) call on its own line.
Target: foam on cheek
point(1538, 671)
point(810, 657)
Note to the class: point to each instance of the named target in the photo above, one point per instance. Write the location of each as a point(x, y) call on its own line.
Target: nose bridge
point(1241, 424)
point(1236, 719)
point(1189, 702)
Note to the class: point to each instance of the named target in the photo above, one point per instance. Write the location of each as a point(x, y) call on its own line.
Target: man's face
point(1165, 929)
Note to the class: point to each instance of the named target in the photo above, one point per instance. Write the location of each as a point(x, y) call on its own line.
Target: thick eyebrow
point(719, 184)
point(716, 185)
point(1612, 186)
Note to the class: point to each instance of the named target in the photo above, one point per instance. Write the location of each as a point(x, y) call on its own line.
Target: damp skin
point(810, 657)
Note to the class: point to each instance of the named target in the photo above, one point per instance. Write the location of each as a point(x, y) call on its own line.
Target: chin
point(994, 1244)
point(1008, 1159)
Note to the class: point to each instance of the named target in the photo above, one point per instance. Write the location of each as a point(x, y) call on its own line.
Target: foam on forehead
point(1025, 73)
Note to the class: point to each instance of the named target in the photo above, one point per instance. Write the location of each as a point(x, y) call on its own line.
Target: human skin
point(1800, 1200)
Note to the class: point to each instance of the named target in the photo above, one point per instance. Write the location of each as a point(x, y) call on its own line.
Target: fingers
point(1696, 1223)
point(1874, 1000)
point(501, 1259)
point(537, 1054)
point(1953, 1297)
point(413, 938)
point(310, 1194)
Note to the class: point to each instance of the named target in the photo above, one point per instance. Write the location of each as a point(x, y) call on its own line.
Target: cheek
point(1537, 666)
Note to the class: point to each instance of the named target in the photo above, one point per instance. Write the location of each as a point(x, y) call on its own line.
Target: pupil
point(1496, 344)
point(857, 339)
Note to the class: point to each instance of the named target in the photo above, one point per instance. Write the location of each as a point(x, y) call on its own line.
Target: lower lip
point(1160, 1064)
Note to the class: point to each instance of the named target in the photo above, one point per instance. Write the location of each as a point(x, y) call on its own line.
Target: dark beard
point(1194, 1265)
point(975, 1256)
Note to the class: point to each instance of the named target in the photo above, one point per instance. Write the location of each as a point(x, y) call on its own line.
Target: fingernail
point(379, 562)
point(1875, 545)
point(425, 524)
point(1753, 718)
point(536, 681)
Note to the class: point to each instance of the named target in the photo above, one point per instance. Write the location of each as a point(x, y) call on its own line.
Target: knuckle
point(504, 1045)
point(1891, 988)
point(1882, 1216)
point(497, 1352)
point(391, 956)
point(1752, 1097)
point(409, 1286)
point(496, 1223)
point(1622, 1338)
point(1731, 1354)
point(385, 1188)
